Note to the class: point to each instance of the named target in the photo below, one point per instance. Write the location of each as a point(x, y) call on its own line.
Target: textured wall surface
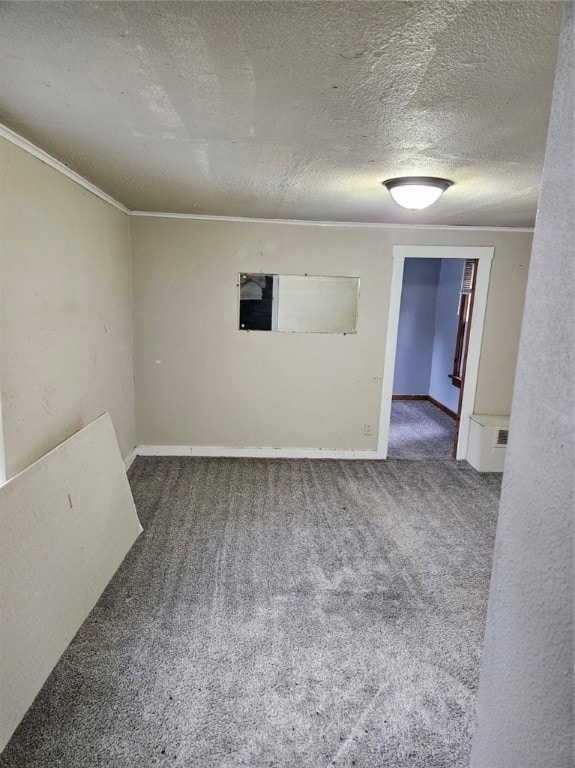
point(525, 710)
point(65, 323)
point(415, 332)
point(199, 381)
point(446, 320)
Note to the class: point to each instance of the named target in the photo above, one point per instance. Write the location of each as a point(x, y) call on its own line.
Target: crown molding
point(307, 223)
point(32, 149)
point(58, 165)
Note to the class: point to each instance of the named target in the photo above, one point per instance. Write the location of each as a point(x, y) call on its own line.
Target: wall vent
point(502, 437)
point(487, 444)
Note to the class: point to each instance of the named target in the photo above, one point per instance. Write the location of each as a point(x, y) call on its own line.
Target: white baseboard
point(254, 453)
point(129, 460)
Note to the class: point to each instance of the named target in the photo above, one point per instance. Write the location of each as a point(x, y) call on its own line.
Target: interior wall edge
point(58, 165)
point(524, 713)
point(130, 458)
point(132, 319)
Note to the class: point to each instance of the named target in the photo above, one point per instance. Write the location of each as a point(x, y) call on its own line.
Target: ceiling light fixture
point(416, 192)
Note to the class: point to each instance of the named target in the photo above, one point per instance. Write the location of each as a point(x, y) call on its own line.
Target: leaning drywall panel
point(67, 522)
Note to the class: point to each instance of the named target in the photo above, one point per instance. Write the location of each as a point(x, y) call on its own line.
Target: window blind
point(467, 282)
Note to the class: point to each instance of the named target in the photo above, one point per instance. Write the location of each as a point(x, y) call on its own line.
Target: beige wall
point(66, 327)
point(199, 381)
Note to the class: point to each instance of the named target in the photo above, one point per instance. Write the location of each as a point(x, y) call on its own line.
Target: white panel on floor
point(67, 522)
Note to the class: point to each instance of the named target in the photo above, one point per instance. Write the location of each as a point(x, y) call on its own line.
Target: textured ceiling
point(295, 110)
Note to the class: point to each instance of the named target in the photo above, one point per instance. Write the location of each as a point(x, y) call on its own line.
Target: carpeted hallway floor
point(420, 430)
point(295, 614)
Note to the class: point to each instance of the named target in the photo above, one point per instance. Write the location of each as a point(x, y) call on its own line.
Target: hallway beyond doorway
point(420, 430)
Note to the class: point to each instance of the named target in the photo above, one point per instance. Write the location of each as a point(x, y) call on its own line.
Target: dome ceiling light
point(416, 192)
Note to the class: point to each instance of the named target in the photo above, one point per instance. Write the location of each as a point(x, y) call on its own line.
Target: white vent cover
point(487, 444)
point(502, 437)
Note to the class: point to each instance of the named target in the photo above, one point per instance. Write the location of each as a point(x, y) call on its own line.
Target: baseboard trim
point(442, 407)
point(429, 399)
point(129, 460)
point(255, 453)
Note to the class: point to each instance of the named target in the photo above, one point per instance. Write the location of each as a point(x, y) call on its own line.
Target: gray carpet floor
point(280, 613)
point(420, 430)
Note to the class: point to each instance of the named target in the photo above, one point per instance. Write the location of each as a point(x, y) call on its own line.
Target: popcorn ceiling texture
point(280, 613)
point(289, 110)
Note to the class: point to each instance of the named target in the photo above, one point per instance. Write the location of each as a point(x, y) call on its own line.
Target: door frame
point(484, 256)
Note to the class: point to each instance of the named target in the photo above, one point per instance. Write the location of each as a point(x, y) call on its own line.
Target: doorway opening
point(445, 414)
point(433, 331)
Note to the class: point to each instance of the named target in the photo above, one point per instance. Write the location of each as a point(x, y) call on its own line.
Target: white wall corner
point(129, 460)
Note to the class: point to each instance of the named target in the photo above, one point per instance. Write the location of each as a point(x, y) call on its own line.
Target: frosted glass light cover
point(415, 196)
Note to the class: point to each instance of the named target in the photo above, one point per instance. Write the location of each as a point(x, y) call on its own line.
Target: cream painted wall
point(502, 326)
point(201, 382)
point(504, 312)
point(66, 352)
